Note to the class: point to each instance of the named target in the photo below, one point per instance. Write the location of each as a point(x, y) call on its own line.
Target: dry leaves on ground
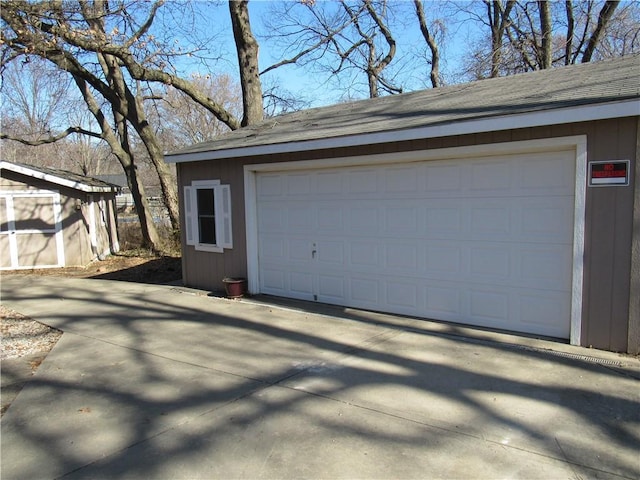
point(23, 336)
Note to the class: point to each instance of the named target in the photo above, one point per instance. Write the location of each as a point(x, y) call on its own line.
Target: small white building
point(54, 218)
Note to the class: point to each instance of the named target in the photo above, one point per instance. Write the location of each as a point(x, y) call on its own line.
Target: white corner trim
point(93, 235)
point(577, 280)
point(251, 228)
point(583, 113)
point(57, 214)
point(11, 232)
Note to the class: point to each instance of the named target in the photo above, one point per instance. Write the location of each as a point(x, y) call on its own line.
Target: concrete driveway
point(162, 382)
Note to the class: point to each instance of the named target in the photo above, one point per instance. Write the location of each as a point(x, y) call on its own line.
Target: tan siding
point(608, 234)
point(203, 269)
point(633, 336)
point(75, 221)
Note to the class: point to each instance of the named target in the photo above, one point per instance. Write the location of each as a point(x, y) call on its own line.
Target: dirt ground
point(127, 266)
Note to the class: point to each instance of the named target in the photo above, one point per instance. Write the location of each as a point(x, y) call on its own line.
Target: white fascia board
point(54, 179)
point(584, 113)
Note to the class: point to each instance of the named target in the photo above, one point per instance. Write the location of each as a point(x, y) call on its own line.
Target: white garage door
point(484, 241)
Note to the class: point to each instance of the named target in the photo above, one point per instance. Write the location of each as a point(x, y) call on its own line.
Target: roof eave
point(57, 180)
point(574, 114)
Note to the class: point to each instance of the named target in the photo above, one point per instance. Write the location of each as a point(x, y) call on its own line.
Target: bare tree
point(345, 39)
point(180, 122)
point(109, 50)
point(36, 94)
point(537, 35)
point(38, 100)
point(622, 33)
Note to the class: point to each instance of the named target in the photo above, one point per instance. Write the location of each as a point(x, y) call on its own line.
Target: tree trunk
point(431, 42)
point(247, 50)
point(570, 32)
point(603, 19)
point(546, 40)
point(119, 145)
point(167, 182)
point(131, 108)
point(498, 18)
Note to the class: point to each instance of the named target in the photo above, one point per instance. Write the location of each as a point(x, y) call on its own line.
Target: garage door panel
point(401, 220)
point(329, 183)
point(299, 184)
point(403, 294)
point(270, 185)
point(486, 241)
point(545, 266)
point(541, 313)
point(299, 250)
point(364, 291)
point(364, 254)
point(332, 289)
point(271, 218)
point(364, 219)
point(444, 259)
point(300, 218)
point(330, 219)
point(443, 178)
point(272, 248)
point(535, 173)
point(491, 177)
point(273, 281)
point(402, 179)
point(546, 220)
point(490, 220)
point(490, 307)
point(444, 302)
point(489, 264)
point(403, 258)
point(330, 253)
point(301, 283)
point(443, 220)
point(363, 181)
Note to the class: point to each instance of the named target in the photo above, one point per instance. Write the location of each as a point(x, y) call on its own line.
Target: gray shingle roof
point(62, 177)
point(585, 84)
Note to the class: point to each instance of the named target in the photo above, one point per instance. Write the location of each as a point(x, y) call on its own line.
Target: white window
point(208, 215)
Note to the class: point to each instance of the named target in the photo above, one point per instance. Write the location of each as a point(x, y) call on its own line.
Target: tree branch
point(387, 36)
point(145, 26)
point(52, 139)
point(431, 42)
point(603, 19)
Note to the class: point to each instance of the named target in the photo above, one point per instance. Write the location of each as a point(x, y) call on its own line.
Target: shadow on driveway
point(150, 381)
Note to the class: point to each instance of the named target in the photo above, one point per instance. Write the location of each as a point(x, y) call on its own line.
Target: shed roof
point(60, 177)
point(606, 89)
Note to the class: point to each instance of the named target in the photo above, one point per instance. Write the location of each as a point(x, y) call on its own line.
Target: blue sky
point(310, 86)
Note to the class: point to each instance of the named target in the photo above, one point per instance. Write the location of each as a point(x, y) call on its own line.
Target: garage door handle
point(313, 254)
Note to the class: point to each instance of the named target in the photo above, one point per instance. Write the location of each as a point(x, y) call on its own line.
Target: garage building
point(509, 203)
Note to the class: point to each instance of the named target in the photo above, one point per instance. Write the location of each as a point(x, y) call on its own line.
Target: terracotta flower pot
point(235, 287)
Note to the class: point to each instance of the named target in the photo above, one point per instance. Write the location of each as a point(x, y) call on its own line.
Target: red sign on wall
point(609, 173)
